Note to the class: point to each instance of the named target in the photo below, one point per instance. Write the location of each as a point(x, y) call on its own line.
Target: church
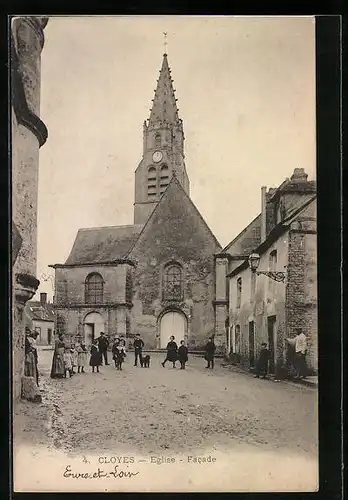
point(156, 277)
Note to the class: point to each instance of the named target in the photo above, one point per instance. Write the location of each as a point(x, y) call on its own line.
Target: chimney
point(43, 299)
point(263, 213)
point(299, 175)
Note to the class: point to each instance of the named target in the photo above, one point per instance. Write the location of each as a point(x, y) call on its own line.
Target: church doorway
point(172, 323)
point(92, 325)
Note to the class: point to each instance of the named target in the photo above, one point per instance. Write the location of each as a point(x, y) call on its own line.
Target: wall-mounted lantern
point(254, 261)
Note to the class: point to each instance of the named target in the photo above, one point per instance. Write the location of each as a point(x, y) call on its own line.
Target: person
point(73, 357)
point(300, 353)
point(182, 355)
point(172, 351)
point(262, 363)
point(68, 367)
point(57, 369)
point(114, 350)
point(209, 353)
point(103, 345)
point(95, 359)
point(138, 349)
point(81, 357)
point(31, 360)
point(120, 354)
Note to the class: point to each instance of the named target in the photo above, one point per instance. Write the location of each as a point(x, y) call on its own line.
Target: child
point(120, 354)
point(114, 350)
point(81, 358)
point(73, 357)
point(68, 362)
point(95, 360)
point(182, 355)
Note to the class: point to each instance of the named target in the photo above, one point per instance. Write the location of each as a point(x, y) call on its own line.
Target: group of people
point(175, 353)
point(299, 344)
point(70, 357)
point(67, 358)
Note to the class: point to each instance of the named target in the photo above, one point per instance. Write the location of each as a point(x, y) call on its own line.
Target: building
point(42, 316)
point(155, 277)
point(28, 134)
point(259, 308)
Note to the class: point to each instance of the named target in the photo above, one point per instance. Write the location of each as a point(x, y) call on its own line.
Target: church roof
point(170, 195)
point(103, 244)
point(164, 107)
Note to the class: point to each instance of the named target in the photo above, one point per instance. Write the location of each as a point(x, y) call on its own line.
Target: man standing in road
point(138, 349)
point(262, 363)
point(103, 345)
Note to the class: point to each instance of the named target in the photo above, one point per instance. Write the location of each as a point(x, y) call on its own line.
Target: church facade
point(156, 277)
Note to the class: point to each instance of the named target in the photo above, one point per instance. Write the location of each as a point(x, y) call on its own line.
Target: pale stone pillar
point(28, 134)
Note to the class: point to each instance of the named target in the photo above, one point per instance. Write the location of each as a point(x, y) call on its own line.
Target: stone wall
point(70, 303)
point(301, 292)
point(267, 301)
point(175, 233)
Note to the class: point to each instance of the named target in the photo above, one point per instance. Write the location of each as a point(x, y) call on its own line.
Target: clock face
point(157, 156)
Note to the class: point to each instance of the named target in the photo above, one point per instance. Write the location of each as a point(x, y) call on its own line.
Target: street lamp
point(254, 261)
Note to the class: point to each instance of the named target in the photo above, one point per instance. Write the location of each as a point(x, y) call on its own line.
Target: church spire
point(164, 109)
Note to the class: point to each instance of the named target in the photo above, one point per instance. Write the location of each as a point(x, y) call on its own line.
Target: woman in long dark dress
point(172, 352)
point(58, 368)
point(30, 365)
point(210, 353)
point(95, 360)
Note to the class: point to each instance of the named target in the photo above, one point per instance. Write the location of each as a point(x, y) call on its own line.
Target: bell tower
point(163, 149)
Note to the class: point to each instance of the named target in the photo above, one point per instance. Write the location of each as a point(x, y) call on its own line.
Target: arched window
point(151, 183)
point(158, 140)
point(164, 178)
point(94, 288)
point(172, 283)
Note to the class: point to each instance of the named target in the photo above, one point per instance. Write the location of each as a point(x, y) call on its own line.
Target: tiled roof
point(103, 244)
point(36, 311)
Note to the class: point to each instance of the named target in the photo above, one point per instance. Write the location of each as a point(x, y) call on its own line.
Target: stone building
point(260, 309)
point(42, 319)
point(157, 276)
point(28, 134)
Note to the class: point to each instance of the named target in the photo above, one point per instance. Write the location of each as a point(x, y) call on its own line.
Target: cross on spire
point(165, 41)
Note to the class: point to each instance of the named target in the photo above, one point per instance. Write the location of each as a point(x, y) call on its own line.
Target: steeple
point(164, 108)
point(163, 149)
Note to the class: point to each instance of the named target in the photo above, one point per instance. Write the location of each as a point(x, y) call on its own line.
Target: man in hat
point(262, 363)
point(300, 353)
point(103, 345)
point(138, 349)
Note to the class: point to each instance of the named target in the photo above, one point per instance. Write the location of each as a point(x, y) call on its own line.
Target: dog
point(145, 361)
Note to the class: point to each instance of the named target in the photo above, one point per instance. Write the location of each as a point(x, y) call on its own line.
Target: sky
point(246, 93)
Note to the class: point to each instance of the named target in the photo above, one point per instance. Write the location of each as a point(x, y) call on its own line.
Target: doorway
point(172, 323)
point(271, 326)
point(251, 344)
point(49, 336)
point(93, 325)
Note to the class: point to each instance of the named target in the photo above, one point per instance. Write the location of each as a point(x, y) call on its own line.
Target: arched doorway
point(172, 323)
point(93, 324)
